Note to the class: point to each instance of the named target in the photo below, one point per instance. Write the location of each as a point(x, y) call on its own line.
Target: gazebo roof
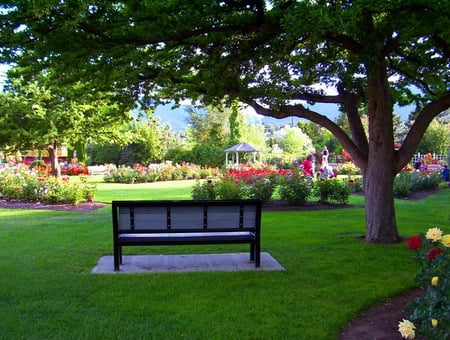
point(242, 147)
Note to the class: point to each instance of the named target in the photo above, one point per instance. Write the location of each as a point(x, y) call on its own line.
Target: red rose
point(435, 252)
point(414, 242)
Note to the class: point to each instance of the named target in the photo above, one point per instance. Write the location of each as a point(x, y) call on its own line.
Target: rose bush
point(22, 184)
point(431, 311)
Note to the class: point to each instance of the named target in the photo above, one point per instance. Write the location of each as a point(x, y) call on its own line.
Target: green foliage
point(424, 181)
point(204, 190)
point(229, 189)
point(104, 154)
point(436, 139)
point(356, 184)
point(207, 155)
point(402, 184)
point(293, 141)
point(39, 114)
point(332, 190)
point(295, 189)
point(406, 182)
point(178, 154)
point(347, 168)
point(262, 188)
point(148, 142)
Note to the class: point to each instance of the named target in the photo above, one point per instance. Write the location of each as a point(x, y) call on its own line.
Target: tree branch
point(302, 112)
point(418, 129)
point(344, 41)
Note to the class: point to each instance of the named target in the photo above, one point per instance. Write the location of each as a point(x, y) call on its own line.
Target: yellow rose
point(445, 240)
point(434, 234)
point(434, 322)
point(435, 281)
point(406, 329)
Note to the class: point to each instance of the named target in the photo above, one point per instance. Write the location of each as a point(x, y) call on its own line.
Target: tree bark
point(381, 225)
point(53, 153)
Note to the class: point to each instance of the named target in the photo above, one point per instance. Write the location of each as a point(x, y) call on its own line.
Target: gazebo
point(241, 148)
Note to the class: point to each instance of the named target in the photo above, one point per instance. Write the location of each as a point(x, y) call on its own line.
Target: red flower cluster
point(414, 242)
point(249, 175)
point(75, 170)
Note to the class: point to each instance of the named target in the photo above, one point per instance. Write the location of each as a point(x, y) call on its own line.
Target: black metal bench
point(137, 223)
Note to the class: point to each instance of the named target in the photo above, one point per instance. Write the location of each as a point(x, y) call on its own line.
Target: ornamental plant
point(21, 184)
point(332, 190)
point(431, 311)
point(204, 190)
point(295, 189)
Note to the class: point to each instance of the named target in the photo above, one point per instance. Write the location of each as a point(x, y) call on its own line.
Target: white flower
point(407, 329)
point(434, 234)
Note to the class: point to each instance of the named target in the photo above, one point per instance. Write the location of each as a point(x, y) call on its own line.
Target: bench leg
point(257, 254)
point(117, 258)
point(252, 252)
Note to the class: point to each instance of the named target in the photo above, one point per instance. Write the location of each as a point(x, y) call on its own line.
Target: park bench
point(97, 170)
point(138, 223)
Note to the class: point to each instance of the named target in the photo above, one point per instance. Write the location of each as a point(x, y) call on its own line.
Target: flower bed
point(23, 184)
point(431, 311)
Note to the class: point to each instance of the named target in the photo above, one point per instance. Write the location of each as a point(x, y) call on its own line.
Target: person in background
point(325, 154)
point(446, 174)
point(307, 166)
point(423, 166)
point(326, 171)
point(417, 165)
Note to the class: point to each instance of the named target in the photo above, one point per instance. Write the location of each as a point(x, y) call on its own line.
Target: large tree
point(40, 116)
point(269, 54)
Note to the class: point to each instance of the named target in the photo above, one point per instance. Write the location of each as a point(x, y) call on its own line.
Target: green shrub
point(229, 189)
point(262, 188)
point(347, 169)
point(204, 190)
point(424, 181)
point(295, 189)
point(24, 185)
point(332, 191)
point(402, 185)
point(407, 182)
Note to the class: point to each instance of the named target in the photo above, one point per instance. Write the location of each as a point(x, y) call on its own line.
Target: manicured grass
point(47, 290)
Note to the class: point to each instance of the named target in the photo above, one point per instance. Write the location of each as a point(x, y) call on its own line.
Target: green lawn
point(47, 290)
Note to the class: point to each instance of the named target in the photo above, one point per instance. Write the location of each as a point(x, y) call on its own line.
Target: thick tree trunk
point(381, 226)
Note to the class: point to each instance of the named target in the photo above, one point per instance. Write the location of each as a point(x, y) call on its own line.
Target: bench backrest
point(186, 215)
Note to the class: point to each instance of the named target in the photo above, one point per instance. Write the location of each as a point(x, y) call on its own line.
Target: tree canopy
point(278, 56)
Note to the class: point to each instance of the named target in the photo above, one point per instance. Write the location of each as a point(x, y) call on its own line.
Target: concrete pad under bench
point(185, 263)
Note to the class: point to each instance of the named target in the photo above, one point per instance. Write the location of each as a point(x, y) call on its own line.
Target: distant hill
point(176, 118)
